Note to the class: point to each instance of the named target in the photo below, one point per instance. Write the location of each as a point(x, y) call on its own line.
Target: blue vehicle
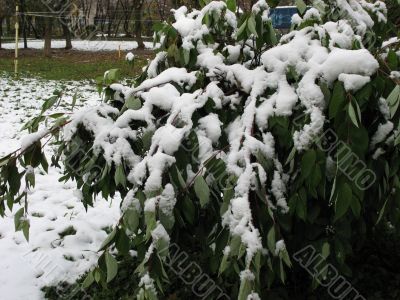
point(282, 16)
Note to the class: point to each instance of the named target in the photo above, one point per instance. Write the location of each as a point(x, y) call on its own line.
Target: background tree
point(67, 10)
point(23, 23)
point(138, 6)
point(2, 17)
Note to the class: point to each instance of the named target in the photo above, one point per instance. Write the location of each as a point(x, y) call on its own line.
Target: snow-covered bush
point(238, 146)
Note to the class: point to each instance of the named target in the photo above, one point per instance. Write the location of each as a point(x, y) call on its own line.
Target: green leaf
point(355, 207)
point(241, 30)
point(189, 210)
point(56, 115)
point(234, 245)
point(18, 219)
point(282, 273)
point(352, 114)
point(44, 163)
point(112, 266)
point(25, 229)
point(123, 243)
point(382, 211)
point(343, 201)
point(97, 275)
point(285, 257)
point(146, 139)
point(224, 264)
point(131, 219)
point(120, 177)
point(30, 179)
point(393, 100)
point(4, 160)
point(308, 162)
point(151, 223)
point(337, 100)
point(177, 178)
point(88, 280)
point(320, 5)
point(206, 20)
point(397, 139)
point(245, 289)
point(173, 52)
point(301, 204)
point(186, 56)
point(291, 156)
point(271, 241)
point(110, 238)
point(326, 250)
point(204, 2)
point(10, 203)
point(202, 190)
point(49, 103)
point(167, 220)
point(74, 98)
point(133, 103)
point(231, 4)
point(229, 193)
point(162, 246)
point(272, 34)
point(251, 25)
point(358, 110)
point(340, 251)
point(111, 76)
point(151, 295)
point(301, 6)
point(392, 60)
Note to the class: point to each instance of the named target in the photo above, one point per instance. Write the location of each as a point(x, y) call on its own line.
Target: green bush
point(249, 153)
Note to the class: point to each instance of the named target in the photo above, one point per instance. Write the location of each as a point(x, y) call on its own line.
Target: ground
point(64, 238)
point(73, 64)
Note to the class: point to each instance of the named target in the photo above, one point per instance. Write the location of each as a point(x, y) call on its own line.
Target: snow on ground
point(49, 257)
point(84, 45)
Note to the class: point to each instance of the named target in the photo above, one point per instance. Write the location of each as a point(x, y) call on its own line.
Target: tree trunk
point(47, 36)
point(8, 26)
point(1, 30)
point(126, 25)
point(139, 25)
point(67, 34)
point(35, 32)
point(24, 24)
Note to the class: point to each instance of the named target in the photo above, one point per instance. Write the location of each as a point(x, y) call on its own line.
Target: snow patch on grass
point(64, 238)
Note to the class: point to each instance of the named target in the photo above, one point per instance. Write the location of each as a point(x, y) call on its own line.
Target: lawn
point(71, 65)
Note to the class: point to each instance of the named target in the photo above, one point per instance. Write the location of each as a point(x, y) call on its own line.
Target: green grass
point(70, 67)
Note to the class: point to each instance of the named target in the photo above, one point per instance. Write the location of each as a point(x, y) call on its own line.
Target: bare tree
point(67, 33)
point(2, 17)
point(162, 6)
point(138, 12)
point(66, 12)
point(48, 31)
point(9, 11)
point(127, 9)
point(23, 19)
